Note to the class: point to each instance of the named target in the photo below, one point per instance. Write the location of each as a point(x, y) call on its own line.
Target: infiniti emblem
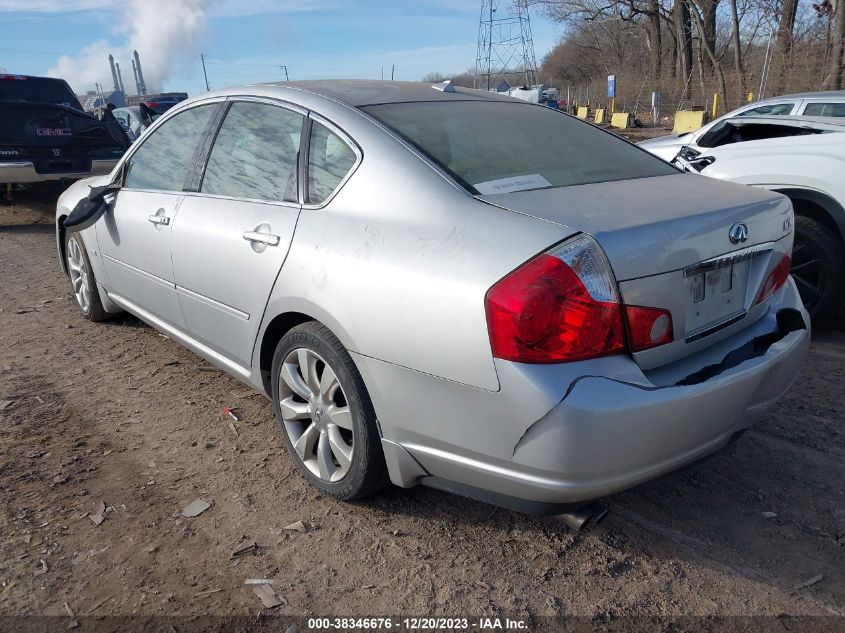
point(318, 413)
point(738, 233)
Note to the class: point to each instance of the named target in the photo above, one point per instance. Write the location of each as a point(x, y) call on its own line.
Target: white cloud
point(88, 67)
point(164, 32)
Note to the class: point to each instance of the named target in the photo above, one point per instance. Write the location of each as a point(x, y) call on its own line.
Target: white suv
point(826, 104)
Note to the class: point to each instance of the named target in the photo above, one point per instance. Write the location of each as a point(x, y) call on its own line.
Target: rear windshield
point(500, 147)
point(37, 89)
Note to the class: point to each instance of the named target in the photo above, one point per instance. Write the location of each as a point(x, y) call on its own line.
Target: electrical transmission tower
point(505, 45)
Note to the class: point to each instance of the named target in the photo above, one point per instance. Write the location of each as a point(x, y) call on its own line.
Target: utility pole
point(392, 71)
point(204, 73)
point(285, 68)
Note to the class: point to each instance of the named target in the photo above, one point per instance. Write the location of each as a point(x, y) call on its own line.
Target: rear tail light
point(560, 306)
point(776, 278)
point(648, 327)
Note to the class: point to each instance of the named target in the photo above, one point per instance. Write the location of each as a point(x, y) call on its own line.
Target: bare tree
point(834, 10)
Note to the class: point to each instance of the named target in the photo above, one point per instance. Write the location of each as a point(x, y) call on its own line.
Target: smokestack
point(114, 73)
point(142, 87)
point(119, 78)
point(135, 73)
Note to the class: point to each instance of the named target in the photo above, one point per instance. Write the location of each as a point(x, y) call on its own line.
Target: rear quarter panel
point(397, 265)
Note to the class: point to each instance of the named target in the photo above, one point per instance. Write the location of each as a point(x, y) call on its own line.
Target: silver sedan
point(444, 286)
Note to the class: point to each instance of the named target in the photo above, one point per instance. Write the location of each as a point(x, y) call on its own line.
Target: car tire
point(82, 280)
point(323, 424)
point(818, 267)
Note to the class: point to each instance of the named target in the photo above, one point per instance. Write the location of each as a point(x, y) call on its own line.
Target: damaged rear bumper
point(608, 434)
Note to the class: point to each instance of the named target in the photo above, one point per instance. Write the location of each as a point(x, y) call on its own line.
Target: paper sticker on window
point(516, 183)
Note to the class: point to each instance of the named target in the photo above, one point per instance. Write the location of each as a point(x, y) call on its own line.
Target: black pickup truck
point(46, 135)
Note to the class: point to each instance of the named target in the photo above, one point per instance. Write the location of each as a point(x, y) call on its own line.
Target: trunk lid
point(656, 225)
point(668, 242)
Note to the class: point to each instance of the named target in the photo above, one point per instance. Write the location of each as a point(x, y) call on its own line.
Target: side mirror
point(91, 208)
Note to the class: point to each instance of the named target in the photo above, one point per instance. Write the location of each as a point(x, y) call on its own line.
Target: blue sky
point(244, 40)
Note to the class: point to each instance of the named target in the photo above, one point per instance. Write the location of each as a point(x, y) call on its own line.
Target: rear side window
point(165, 159)
point(500, 147)
point(255, 153)
point(825, 109)
point(329, 161)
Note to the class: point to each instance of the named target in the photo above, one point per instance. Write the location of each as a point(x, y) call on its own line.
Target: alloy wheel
point(316, 415)
point(808, 271)
point(78, 274)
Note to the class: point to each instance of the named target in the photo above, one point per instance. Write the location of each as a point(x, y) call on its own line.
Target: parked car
point(45, 135)
point(803, 158)
point(135, 119)
point(826, 104)
point(160, 105)
point(426, 301)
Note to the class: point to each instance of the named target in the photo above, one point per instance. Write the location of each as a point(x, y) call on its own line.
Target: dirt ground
point(117, 414)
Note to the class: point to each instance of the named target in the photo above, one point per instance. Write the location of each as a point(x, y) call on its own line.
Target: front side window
point(165, 159)
point(502, 146)
point(255, 153)
point(329, 161)
point(825, 109)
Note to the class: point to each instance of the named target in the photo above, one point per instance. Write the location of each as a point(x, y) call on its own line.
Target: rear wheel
point(818, 267)
point(82, 279)
point(325, 415)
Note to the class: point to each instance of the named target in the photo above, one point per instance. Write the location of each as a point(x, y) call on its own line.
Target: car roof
point(831, 124)
point(361, 92)
point(824, 94)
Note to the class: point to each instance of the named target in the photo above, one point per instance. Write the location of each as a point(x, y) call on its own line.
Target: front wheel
point(82, 278)
point(818, 267)
point(325, 415)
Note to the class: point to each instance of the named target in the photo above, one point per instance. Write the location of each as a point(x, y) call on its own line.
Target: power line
point(40, 7)
point(62, 14)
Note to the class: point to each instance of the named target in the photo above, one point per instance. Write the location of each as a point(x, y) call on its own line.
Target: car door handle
point(263, 238)
point(159, 219)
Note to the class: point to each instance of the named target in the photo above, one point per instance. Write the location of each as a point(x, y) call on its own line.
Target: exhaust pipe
point(585, 517)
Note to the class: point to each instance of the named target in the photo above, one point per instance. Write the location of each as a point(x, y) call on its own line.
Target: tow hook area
point(585, 517)
point(788, 321)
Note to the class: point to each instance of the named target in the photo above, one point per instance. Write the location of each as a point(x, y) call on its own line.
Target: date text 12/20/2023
point(417, 623)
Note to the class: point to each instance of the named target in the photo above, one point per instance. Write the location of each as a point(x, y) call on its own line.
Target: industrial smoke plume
point(164, 32)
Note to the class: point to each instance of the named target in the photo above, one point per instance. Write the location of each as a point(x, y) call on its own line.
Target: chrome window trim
point(216, 196)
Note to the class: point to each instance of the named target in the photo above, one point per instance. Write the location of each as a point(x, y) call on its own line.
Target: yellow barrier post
point(600, 116)
point(749, 97)
point(621, 120)
point(583, 112)
point(715, 104)
point(689, 120)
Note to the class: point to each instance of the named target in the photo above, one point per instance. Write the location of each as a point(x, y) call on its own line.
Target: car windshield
point(37, 89)
point(501, 146)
